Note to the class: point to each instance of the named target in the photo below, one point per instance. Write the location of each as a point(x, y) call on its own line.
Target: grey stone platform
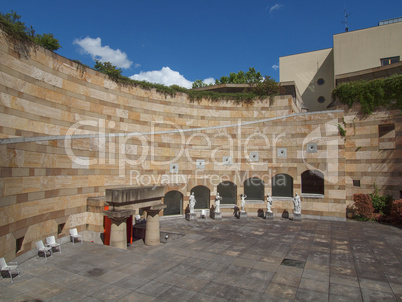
point(225, 260)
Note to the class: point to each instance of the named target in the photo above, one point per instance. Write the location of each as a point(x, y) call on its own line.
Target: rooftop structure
point(315, 73)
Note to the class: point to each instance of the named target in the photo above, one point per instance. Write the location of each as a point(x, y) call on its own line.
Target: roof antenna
point(346, 21)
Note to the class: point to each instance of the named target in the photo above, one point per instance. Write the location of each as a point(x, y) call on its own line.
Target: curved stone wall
point(45, 184)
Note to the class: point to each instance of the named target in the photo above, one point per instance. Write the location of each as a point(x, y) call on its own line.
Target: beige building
point(315, 72)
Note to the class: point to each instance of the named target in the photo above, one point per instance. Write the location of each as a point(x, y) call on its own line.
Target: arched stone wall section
point(174, 201)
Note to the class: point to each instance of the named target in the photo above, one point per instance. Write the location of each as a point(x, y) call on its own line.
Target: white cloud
point(94, 48)
point(275, 67)
point(165, 76)
point(275, 7)
point(209, 81)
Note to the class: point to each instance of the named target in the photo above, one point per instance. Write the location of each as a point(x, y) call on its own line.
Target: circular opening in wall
point(320, 81)
point(282, 152)
point(321, 99)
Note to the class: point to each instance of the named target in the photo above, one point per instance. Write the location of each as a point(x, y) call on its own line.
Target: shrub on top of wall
point(384, 92)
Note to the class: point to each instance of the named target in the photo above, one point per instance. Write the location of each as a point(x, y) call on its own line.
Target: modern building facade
point(315, 73)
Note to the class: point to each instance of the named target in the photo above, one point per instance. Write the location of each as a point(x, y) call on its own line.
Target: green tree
point(249, 77)
point(107, 68)
point(198, 84)
point(252, 76)
point(223, 80)
point(267, 87)
point(47, 41)
point(15, 28)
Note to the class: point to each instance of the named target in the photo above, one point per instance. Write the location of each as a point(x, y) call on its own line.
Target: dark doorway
point(282, 185)
point(202, 196)
point(174, 202)
point(228, 191)
point(254, 189)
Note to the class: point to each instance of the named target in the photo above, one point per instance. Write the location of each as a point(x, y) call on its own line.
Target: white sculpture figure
point(243, 201)
point(218, 203)
point(269, 203)
point(192, 202)
point(297, 204)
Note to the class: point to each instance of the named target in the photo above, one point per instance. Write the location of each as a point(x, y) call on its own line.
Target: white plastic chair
point(42, 248)
point(51, 242)
point(74, 235)
point(9, 268)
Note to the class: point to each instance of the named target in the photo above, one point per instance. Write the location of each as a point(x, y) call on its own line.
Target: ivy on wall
point(371, 95)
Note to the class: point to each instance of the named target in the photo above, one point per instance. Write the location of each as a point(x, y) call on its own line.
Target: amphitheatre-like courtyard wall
point(45, 184)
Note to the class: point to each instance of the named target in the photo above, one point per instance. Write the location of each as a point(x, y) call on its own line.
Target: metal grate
point(293, 263)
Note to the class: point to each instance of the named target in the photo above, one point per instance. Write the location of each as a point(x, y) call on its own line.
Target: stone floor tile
point(375, 296)
point(315, 275)
point(286, 279)
point(336, 298)
point(174, 294)
point(345, 290)
point(111, 293)
point(305, 295)
point(38, 288)
point(169, 278)
point(204, 274)
point(67, 295)
point(191, 283)
point(153, 288)
point(256, 280)
point(245, 262)
point(266, 266)
point(281, 291)
point(137, 297)
point(375, 285)
point(132, 282)
point(199, 297)
point(314, 285)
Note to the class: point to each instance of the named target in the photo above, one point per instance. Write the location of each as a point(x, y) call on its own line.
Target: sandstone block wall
point(373, 152)
point(45, 185)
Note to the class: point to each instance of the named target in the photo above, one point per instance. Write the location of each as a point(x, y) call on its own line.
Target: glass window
point(320, 81)
point(282, 185)
point(390, 60)
point(312, 182)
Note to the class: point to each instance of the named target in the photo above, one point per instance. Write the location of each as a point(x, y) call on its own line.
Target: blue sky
point(177, 41)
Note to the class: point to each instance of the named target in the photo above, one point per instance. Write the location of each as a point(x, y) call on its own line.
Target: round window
point(321, 99)
point(320, 81)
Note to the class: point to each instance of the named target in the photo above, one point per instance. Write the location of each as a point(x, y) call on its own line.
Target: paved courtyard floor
point(228, 260)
